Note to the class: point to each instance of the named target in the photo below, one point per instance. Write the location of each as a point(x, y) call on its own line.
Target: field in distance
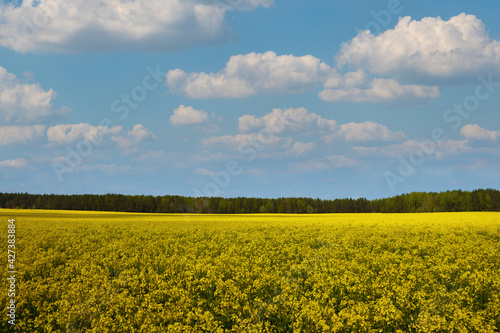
point(119, 272)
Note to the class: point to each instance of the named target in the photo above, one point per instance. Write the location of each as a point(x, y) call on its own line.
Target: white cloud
point(92, 25)
point(129, 143)
point(234, 142)
point(253, 73)
point(451, 147)
point(152, 155)
point(348, 80)
point(429, 49)
point(63, 134)
point(107, 168)
point(11, 135)
point(281, 132)
point(381, 90)
point(440, 149)
point(362, 132)
point(204, 172)
point(394, 150)
point(340, 161)
point(478, 133)
point(301, 148)
point(257, 144)
point(296, 120)
point(22, 102)
point(267, 73)
point(332, 162)
point(187, 115)
point(19, 163)
point(477, 165)
point(308, 166)
point(249, 122)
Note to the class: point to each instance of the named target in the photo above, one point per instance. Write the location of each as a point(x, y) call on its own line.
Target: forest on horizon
point(415, 202)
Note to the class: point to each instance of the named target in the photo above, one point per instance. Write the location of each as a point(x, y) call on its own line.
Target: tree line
point(449, 201)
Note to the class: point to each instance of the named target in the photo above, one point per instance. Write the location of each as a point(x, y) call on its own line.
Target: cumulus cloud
point(291, 119)
point(129, 143)
point(332, 162)
point(348, 80)
point(340, 161)
point(282, 132)
point(362, 132)
point(451, 147)
point(187, 115)
point(269, 73)
point(308, 166)
point(152, 155)
point(22, 102)
point(253, 73)
point(111, 169)
point(63, 134)
point(301, 148)
point(11, 135)
point(381, 90)
point(93, 26)
point(19, 163)
point(240, 141)
point(440, 149)
point(429, 49)
point(204, 172)
point(394, 150)
point(478, 133)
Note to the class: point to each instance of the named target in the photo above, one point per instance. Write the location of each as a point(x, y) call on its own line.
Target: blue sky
point(249, 97)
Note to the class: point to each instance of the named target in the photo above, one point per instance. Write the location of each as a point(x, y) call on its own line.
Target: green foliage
point(450, 201)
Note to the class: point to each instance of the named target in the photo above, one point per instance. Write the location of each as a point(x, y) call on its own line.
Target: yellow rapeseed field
point(117, 272)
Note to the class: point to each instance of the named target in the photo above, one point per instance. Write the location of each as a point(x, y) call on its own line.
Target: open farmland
point(118, 272)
